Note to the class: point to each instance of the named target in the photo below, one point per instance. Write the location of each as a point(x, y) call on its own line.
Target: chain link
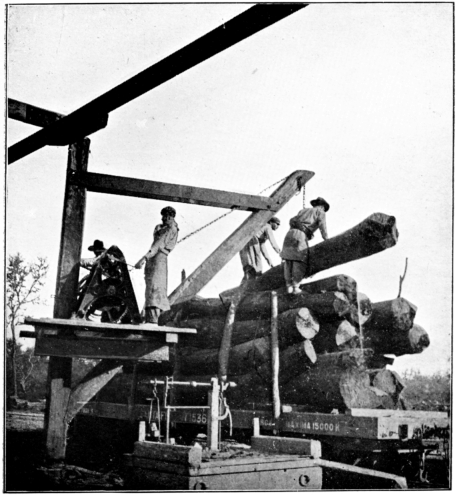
point(228, 213)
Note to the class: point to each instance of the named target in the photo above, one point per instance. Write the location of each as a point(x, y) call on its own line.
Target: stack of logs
point(332, 341)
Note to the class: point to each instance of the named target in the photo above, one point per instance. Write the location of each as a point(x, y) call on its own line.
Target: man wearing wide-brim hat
point(295, 248)
point(98, 249)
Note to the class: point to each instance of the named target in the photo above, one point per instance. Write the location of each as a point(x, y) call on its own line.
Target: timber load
point(333, 343)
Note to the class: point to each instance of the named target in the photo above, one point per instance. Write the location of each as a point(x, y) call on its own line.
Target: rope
point(228, 213)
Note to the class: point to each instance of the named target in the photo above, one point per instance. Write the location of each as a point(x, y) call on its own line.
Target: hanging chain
point(204, 226)
point(225, 214)
point(304, 194)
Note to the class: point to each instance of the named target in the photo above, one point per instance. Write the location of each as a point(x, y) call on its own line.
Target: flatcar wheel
point(106, 310)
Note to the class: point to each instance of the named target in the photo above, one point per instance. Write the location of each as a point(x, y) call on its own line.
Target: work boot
point(152, 315)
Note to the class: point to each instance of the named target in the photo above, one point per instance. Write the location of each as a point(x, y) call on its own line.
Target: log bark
point(209, 331)
point(390, 330)
point(196, 307)
point(396, 314)
point(243, 358)
point(338, 283)
point(397, 342)
point(360, 311)
point(373, 235)
point(257, 305)
point(252, 376)
point(335, 336)
point(337, 384)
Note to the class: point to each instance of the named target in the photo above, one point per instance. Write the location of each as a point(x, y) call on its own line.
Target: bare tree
point(23, 284)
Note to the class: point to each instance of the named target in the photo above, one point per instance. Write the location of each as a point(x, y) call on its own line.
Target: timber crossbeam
point(140, 188)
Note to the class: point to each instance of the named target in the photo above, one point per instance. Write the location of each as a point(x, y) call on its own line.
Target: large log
point(243, 358)
point(396, 314)
point(293, 326)
point(257, 305)
point(196, 307)
point(255, 384)
point(338, 283)
point(335, 336)
point(373, 235)
point(388, 331)
point(397, 342)
point(338, 380)
point(338, 384)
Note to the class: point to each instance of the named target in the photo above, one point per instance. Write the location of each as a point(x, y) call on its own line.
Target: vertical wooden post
point(59, 371)
point(226, 342)
point(275, 355)
point(213, 420)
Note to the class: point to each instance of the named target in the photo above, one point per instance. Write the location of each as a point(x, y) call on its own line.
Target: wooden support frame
point(30, 114)
point(63, 403)
point(140, 188)
point(236, 241)
point(59, 371)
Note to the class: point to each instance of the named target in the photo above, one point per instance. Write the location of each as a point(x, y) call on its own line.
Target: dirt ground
point(26, 467)
point(94, 457)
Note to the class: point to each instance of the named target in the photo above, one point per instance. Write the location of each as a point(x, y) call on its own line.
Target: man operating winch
point(295, 248)
point(156, 269)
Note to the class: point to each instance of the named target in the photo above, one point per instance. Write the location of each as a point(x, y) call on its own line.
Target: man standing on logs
point(250, 255)
point(295, 248)
point(156, 270)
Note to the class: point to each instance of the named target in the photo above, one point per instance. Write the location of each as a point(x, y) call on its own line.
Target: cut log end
point(306, 324)
point(418, 339)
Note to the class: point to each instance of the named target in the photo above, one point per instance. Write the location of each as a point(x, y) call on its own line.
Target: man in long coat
point(295, 247)
point(251, 254)
point(156, 269)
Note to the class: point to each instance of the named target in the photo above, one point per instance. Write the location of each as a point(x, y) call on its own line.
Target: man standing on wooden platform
point(295, 248)
point(250, 255)
point(156, 269)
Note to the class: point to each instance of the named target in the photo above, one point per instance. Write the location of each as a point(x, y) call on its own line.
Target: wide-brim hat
point(97, 246)
point(320, 202)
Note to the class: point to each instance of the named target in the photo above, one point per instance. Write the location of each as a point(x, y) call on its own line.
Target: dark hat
point(97, 246)
point(320, 202)
point(275, 220)
point(168, 210)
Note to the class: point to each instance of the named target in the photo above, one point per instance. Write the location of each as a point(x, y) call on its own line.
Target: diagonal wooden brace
point(236, 241)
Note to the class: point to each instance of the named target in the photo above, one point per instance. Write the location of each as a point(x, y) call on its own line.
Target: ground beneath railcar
point(26, 468)
point(94, 457)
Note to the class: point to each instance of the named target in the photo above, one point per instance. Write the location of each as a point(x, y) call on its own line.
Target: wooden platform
point(84, 339)
point(173, 467)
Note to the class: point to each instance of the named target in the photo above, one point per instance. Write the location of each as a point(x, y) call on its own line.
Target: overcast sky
point(360, 94)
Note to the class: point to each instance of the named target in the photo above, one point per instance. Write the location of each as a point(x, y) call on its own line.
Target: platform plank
point(95, 348)
point(80, 324)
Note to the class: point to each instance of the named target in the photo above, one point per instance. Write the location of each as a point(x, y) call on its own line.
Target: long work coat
point(302, 227)
point(156, 269)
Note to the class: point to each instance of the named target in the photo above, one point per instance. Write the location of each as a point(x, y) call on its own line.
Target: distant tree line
point(427, 392)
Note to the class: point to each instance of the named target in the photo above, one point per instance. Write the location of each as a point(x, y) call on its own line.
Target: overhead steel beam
point(78, 123)
point(139, 188)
